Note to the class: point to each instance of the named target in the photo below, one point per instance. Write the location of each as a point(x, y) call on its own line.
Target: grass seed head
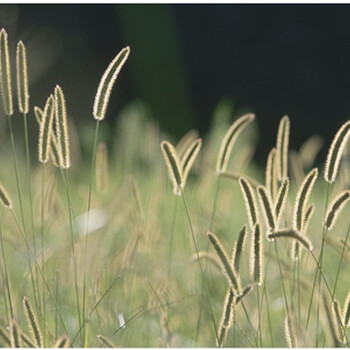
point(22, 78)
point(249, 200)
point(335, 208)
point(282, 148)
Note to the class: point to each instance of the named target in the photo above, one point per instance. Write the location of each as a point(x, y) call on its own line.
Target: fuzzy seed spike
point(302, 198)
point(62, 342)
point(335, 208)
point(226, 318)
point(185, 142)
point(4, 197)
point(289, 332)
point(281, 198)
point(106, 84)
point(33, 323)
point(173, 164)
point(346, 311)
point(238, 248)
point(5, 74)
point(189, 157)
point(22, 78)
point(249, 200)
point(232, 278)
point(45, 130)
point(335, 152)
point(271, 181)
point(266, 204)
point(230, 137)
point(338, 321)
point(62, 128)
point(257, 255)
point(245, 291)
point(282, 148)
point(15, 335)
point(292, 234)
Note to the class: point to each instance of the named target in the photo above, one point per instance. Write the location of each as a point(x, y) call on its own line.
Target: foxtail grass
point(282, 148)
point(249, 200)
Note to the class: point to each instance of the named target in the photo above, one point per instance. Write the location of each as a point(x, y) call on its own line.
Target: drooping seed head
point(232, 277)
point(189, 157)
point(5, 74)
point(33, 323)
point(226, 317)
point(257, 256)
point(4, 197)
point(106, 84)
point(282, 148)
point(335, 208)
point(335, 152)
point(62, 128)
point(238, 248)
point(174, 166)
point(302, 197)
point(249, 200)
point(267, 207)
point(45, 130)
point(289, 332)
point(22, 78)
point(292, 234)
point(271, 181)
point(230, 137)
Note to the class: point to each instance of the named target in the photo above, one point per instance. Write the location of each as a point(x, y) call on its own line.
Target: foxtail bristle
point(45, 130)
point(189, 157)
point(106, 84)
point(338, 321)
point(173, 164)
point(281, 198)
point(257, 255)
point(249, 200)
point(238, 248)
point(22, 78)
point(62, 128)
point(335, 208)
point(271, 181)
point(62, 342)
point(226, 317)
point(335, 152)
point(266, 204)
point(228, 141)
point(232, 278)
point(282, 148)
point(292, 234)
point(5, 74)
point(289, 332)
point(33, 323)
point(15, 335)
point(302, 198)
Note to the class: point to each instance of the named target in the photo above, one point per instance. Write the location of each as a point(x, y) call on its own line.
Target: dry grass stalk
point(173, 164)
point(232, 278)
point(302, 197)
point(335, 208)
point(229, 139)
point(335, 152)
point(33, 323)
point(22, 78)
point(282, 148)
point(45, 130)
point(62, 128)
point(106, 84)
point(5, 74)
point(226, 318)
point(249, 200)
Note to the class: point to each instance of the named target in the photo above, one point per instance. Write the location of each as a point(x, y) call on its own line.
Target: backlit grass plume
point(346, 311)
point(289, 332)
point(271, 181)
point(189, 157)
point(282, 148)
point(45, 130)
point(291, 234)
point(226, 318)
point(173, 164)
point(62, 128)
point(281, 198)
point(302, 198)
point(338, 321)
point(106, 84)
point(238, 248)
point(249, 200)
point(22, 78)
point(227, 267)
point(4, 197)
point(335, 152)
point(267, 207)
point(230, 137)
point(62, 342)
point(33, 323)
point(5, 74)
point(335, 208)
point(54, 150)
point(257, 255)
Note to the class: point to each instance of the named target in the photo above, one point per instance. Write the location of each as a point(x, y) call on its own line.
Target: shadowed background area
point(270, 59)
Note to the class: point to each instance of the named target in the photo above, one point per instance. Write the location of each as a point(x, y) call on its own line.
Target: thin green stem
point(93, 161)
point(43, 247)
point(282, 280)
point(259, 333)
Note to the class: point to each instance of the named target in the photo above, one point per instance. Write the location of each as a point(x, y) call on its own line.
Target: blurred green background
point(270, 59)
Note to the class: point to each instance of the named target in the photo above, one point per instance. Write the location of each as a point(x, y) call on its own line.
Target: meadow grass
point(161, 243)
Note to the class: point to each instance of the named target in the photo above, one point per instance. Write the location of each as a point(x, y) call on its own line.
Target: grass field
point(103, 253)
